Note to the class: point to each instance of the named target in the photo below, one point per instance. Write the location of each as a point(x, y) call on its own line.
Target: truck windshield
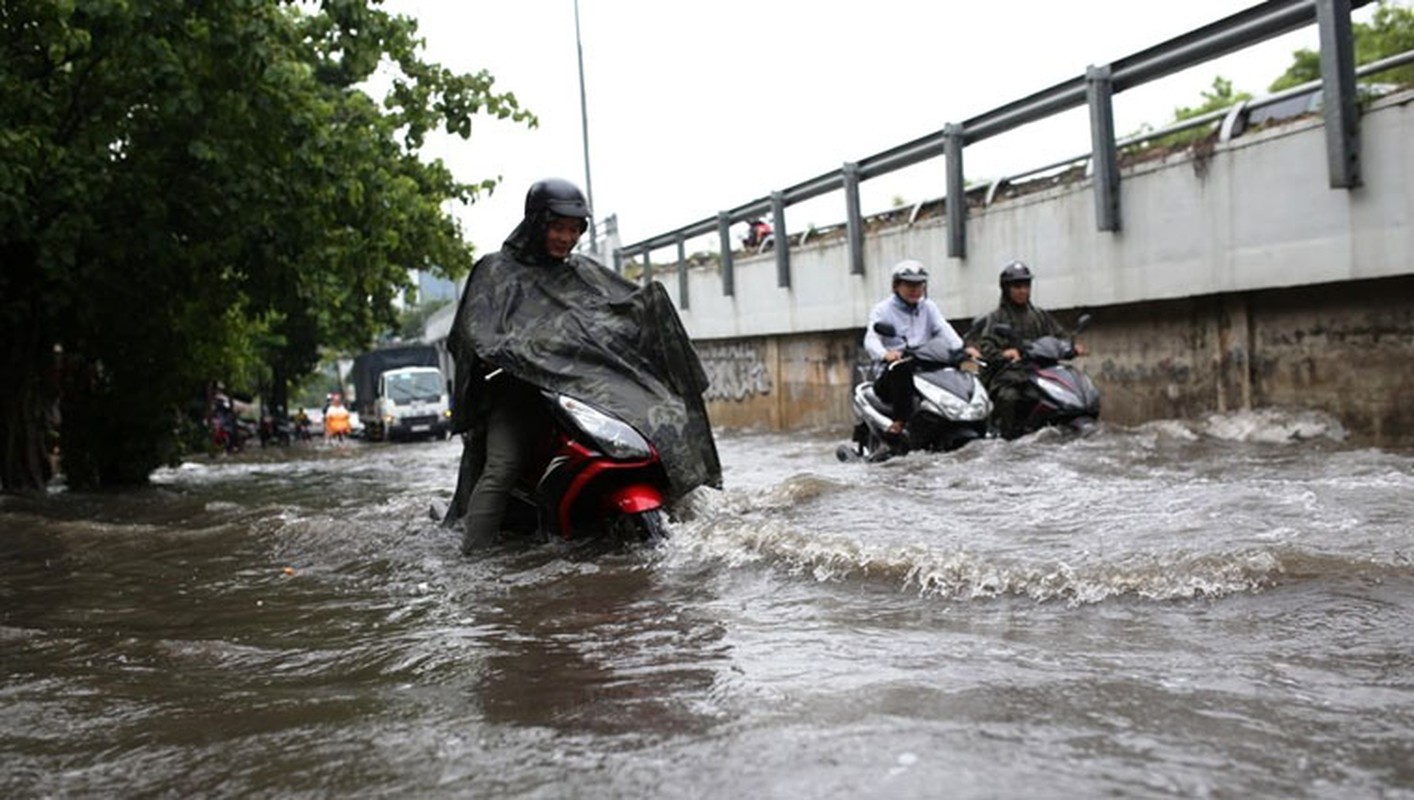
point(406, 387)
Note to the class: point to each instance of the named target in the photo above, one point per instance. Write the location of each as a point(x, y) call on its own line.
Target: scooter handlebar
point(955, 358)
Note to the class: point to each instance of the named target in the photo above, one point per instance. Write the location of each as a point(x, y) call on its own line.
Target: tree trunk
point(115, 432)
point(28, 390)
point(279, 399)
point(26, 466)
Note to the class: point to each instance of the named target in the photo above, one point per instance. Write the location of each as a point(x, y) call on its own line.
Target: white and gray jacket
point(915, 325)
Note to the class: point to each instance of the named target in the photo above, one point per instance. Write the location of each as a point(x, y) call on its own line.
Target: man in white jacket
point(915, 320)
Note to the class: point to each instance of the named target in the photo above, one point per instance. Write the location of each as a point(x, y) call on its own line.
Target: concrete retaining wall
point(1346, 348)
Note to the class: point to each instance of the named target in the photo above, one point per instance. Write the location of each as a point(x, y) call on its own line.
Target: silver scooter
point(951, 410)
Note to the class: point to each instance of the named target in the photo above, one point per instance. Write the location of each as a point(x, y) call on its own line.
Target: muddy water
point(1214, 609)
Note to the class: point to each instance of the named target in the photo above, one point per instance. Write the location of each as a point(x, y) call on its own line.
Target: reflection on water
point(612, 666)
point(1211, 608)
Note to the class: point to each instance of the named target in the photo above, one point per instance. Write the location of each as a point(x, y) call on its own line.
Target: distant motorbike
point(228, 432)
point(223, 437)
point(951, 410)
point(1058, 394)
point(302, 428)
point(275, 428)
point(593, 475)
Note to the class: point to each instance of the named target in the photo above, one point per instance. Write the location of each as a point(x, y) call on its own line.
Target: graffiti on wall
point(735, 371)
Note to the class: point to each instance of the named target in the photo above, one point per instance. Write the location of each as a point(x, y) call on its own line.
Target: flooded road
point(1214, 609)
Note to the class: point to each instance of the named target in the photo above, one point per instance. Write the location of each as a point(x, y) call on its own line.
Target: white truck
point(412, 402)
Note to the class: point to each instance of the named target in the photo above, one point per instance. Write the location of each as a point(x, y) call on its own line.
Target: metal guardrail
point(1096, 89)
point(1232, 118)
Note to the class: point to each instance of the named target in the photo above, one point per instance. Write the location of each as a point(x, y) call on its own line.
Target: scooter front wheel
point(650, 527)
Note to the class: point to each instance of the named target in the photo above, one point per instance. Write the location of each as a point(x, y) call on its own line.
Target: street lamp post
point(584, 124)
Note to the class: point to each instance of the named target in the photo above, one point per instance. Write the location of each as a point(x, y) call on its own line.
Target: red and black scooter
point(593, 476)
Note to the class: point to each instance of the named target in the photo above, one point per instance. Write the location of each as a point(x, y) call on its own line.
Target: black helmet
point(1015, 272)
point(557, 196)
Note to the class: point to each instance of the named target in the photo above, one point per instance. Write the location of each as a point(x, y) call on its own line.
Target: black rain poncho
point(1027, 323)
point(575, 327)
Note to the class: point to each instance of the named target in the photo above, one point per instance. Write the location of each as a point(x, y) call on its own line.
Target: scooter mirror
point(885, 329)
point(1082, 323)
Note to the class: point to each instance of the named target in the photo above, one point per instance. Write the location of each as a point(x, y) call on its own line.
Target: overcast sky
point(700, 107)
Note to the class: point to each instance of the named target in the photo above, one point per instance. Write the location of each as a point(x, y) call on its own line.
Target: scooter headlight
point(953, 407)
point(615, 437)
point(976, 409)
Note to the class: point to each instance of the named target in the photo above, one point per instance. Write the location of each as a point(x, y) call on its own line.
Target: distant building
point(432, 289)
point(435, 333)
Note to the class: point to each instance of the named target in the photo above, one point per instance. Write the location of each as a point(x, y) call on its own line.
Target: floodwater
point(1222, 608)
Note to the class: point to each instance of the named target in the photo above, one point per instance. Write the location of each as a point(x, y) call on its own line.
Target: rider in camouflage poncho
point(1006, 378)
point(565, 323)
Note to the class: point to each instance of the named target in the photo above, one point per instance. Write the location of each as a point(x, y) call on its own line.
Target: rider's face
point(562, 234)
point(911, 292)
point(1019, 293)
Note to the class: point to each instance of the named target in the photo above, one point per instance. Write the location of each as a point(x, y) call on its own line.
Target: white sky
point(699, 107)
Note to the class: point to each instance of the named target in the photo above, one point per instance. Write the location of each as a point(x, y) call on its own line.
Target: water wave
point(1264, 425)
point(751, 531)
point(979, 575)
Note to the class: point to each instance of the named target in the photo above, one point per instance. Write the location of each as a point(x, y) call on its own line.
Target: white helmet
point(911, 271)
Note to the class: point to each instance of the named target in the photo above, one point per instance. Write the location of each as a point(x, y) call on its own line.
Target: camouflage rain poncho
point(578, 328)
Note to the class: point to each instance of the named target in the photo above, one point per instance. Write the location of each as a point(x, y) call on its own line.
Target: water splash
point(975, 574)
point(1269, 426)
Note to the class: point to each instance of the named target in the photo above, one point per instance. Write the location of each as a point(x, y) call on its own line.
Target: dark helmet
point(1015, 272)
point(558, 196)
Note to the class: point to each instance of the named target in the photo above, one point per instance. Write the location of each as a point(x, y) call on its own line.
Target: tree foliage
point(1389, 32)
point(197, 190)
point(1221, 95)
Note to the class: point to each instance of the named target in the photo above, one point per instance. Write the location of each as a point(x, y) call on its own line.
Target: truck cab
point(412, 402)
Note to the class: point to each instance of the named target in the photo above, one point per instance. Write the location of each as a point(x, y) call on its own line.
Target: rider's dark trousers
point(1007, 388)
point(895, 387)
point(514, 423)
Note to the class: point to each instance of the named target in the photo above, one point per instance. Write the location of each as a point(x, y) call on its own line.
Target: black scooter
point(275, 428)
point(1058, 393)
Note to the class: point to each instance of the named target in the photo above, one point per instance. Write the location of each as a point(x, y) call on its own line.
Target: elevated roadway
point(1241, 278)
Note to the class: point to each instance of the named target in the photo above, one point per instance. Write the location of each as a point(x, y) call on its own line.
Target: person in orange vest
point(336, 419)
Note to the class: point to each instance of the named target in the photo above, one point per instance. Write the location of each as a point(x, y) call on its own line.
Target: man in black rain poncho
point(557, 320)
point(1006, 377)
